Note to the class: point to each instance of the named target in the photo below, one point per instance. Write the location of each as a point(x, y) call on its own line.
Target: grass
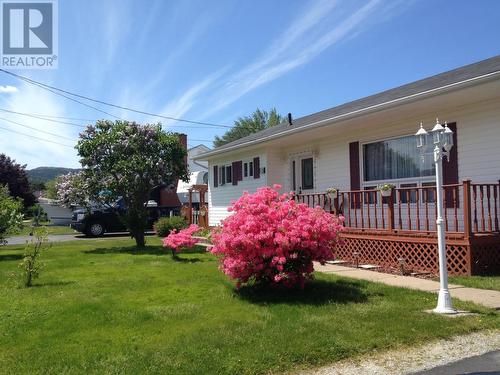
point(480, 282)
point(102, 307)
point(52, 229)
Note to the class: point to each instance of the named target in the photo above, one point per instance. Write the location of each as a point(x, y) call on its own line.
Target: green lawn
point(481, 282)
point(100, 307)
point(52, 229)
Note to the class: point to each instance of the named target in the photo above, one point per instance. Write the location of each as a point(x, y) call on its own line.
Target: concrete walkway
point(489, 298)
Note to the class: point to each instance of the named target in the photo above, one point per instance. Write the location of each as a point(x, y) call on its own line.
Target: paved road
point(21, 240)
point(486, 364)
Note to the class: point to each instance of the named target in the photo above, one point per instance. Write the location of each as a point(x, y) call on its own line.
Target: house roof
point(469, 74)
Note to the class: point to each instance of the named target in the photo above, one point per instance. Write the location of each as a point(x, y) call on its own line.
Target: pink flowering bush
point(177, 240)
point(271, 239)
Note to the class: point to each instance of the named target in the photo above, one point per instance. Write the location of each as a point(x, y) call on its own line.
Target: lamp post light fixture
point(442, 138)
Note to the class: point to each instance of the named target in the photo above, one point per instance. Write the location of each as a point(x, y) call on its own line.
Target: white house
point(358, 145)
point(198, 173)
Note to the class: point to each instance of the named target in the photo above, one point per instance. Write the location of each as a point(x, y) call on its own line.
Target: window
point(294, 177)
point(250, 168)
point(245, 169)
point(410, 194)
point(307, 173)
point(395, 159)
point(222, 175)
point(228, 174)
point(429, 194)
point(370, 196)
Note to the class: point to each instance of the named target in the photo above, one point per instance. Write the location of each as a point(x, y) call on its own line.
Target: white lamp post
point(442, 138)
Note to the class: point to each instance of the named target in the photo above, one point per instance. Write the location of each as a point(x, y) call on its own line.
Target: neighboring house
point(358, 145)
point(198, 174)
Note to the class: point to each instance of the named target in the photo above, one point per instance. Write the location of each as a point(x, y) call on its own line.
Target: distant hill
point(44, 174)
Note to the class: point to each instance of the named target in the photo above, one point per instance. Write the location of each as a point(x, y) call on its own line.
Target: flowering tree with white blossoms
point(71, 190)
point(126, 160)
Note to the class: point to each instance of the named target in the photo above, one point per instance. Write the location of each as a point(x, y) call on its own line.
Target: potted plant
point(332, 192)
point(386, 189)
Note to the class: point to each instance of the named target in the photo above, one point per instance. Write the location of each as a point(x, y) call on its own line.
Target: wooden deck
point(401, 228)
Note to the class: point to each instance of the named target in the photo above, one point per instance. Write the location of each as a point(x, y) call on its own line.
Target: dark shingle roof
point(451, 77)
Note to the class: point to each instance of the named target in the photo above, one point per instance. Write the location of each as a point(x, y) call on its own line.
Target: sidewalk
point(489, 298)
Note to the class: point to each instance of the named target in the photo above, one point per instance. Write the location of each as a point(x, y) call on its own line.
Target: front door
point(302, 169)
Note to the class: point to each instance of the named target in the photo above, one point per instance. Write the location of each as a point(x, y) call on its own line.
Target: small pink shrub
point(274, 240)
point(184, 238)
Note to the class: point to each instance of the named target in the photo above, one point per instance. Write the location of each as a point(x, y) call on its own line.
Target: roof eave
point(363, 111)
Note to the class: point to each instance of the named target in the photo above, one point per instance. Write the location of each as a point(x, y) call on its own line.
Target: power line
point(42, 118)
point(35, 137)
point(51, 119)
point(38, 130)
point(72, 139)
point(58, 91)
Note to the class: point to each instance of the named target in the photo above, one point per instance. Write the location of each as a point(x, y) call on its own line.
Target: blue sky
point(214, 61)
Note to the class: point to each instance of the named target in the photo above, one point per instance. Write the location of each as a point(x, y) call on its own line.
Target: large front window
point(395, 159)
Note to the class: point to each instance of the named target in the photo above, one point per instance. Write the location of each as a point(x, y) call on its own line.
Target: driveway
point(488, 363)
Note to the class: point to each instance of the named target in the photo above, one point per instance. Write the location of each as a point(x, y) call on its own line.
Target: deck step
point(200, 238)
point(204, 244)
point(368, 266)
point(336, 261)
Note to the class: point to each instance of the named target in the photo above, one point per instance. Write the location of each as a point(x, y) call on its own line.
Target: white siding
point(219, 198)
point(478, 127)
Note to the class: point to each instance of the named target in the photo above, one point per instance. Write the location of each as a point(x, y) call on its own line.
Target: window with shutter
point(450, 169)
point(256, 167)
point(216, 176)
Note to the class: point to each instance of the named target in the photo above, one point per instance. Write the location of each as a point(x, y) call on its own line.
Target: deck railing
point(468, 208)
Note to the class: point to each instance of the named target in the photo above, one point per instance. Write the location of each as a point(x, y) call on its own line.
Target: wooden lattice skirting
point(465, 256)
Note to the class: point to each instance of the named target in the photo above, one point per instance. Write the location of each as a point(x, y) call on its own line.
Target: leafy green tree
point(125, 160)
point(14, 176)
point(50, 189)
point(257, 121)
point(11, 217)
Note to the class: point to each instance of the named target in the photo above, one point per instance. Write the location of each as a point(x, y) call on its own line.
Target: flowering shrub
point(179, 239)
point(274, 240)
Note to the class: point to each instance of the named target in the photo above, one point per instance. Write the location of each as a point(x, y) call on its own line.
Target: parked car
point(98, 220)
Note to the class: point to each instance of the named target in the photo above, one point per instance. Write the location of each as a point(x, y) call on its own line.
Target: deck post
point(390, 212)
point(336, 204)
point(190, 219)
point(467, 209)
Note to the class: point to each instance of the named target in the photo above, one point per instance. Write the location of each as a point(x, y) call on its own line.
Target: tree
point(11, 217)
point(50, 189)
point(14, 176)
point(71, 189)
point(126, 160)
point(257, 121)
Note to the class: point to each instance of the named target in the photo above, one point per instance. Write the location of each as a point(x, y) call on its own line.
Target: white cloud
point(8, 89)
point(300, 43)
point(178, 107)
point(27, 149)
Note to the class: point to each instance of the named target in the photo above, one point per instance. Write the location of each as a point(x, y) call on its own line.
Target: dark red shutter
point(216, 176)
point(256, 167)
point(354, 168)
point(240, 170)
point(450, 169)
point(234, 166)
